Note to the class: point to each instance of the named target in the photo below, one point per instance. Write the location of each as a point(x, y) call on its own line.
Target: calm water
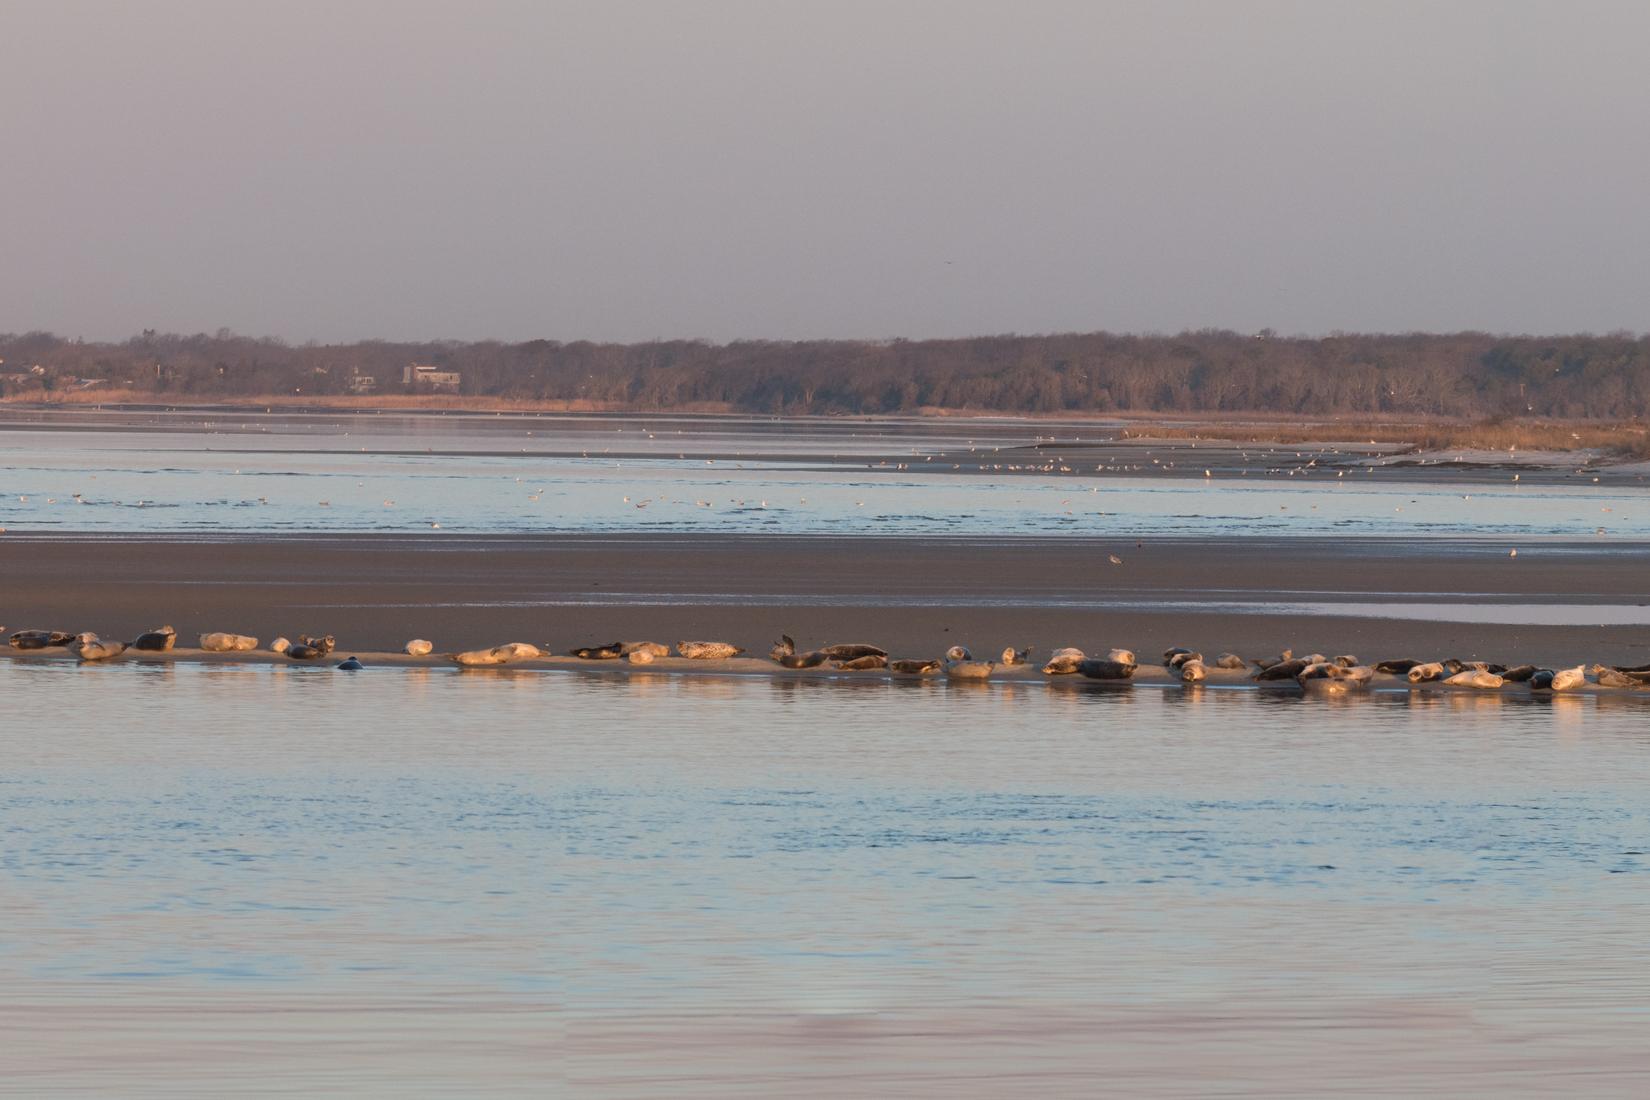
point(727, 886)
point(477, 475)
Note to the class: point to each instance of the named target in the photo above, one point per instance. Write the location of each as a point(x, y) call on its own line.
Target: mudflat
point(914, 596)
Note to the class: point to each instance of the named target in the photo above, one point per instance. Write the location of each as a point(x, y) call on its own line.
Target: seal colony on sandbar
point(1313, 673)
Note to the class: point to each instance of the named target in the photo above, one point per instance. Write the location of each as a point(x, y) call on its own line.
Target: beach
point(912, 596)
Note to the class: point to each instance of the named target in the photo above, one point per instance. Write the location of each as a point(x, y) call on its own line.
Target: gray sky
point(611, 170)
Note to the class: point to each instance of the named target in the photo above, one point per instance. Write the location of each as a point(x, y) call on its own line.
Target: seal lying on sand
point(959, 664)
point(1519, 675)
point(1097, 668)
point(652, 649)
point(1012, 656)
point(849, 651)
point(785, 654)
point(1398, 667)
point(856, 664)
point(40, 639)
point(1568, 679)
point(1267, 662)
point(418, 647)
point(156, 641)
point(310, 649)
point(221, 642)
point(1231, 661)
point(1180, 659)
point(912, 667)
point(1193, 672)
point(1287, 670)
point(88, 647)
point(1064, 662)
point(520, 651)
point(1606, 676)
point(609, 652)
point(708, 651)
point(1475, 678)
point(476, 658)
point(1432, 670)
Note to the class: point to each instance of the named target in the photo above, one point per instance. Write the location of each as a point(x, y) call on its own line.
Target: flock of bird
point(1312, 671)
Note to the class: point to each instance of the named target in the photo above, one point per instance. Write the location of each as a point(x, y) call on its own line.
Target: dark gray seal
point(612, 651)
point(158, 640)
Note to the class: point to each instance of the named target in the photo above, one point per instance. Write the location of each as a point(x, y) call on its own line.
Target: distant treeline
point(1468, 375)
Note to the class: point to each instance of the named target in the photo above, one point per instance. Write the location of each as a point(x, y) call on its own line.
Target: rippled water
point(735, 886)
point(462, 476)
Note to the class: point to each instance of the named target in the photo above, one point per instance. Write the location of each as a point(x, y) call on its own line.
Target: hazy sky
point(613, 170)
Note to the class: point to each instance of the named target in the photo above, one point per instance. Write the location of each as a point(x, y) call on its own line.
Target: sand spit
point(1146, 675)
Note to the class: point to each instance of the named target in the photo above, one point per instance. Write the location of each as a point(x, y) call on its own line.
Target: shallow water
point(475, 475)
point(736, 886)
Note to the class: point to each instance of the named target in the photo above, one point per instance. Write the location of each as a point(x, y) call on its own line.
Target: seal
point(40, 639)
point(279, 645)
point(1096, 668)
point(784, 653)
point(912, 667)
point(351, 664)
point(221, 642)
point(859, 664)
point(476, 658)
point(640, 656)
point(418, 647)
point(1286, 670)
point(1432, 670)
point(88, 647)
point(156, 641)
point(1171, 653)
point(1180, 659)
point(1605, 676)
point(609, 652)
point(1231, 661)
point(519, 651)
point(850, 651)
point(1064, 662)
point(310, 649)
point(1121, 656)
point(1012, 656)
point(1267, 662)
point(652, 649)
point(1519, 674)
point(708, 651)
point(959, 664)
point(1398, 667)
point(1567, 679)
point(1475, 678)
point(1193, 672)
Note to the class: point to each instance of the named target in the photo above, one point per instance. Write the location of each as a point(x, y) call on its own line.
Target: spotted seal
point(708, 651)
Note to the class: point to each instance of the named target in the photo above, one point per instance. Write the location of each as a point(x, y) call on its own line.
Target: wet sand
point(912, 596)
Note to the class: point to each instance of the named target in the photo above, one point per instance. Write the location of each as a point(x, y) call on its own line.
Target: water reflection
point(673, 849)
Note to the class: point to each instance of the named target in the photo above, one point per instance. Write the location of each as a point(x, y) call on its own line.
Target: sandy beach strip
point(913, 597)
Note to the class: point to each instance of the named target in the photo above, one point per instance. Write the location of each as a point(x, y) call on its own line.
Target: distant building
point(363, 383)
point(421, 376)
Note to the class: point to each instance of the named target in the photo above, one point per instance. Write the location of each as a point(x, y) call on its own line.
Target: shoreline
point(994, 444)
